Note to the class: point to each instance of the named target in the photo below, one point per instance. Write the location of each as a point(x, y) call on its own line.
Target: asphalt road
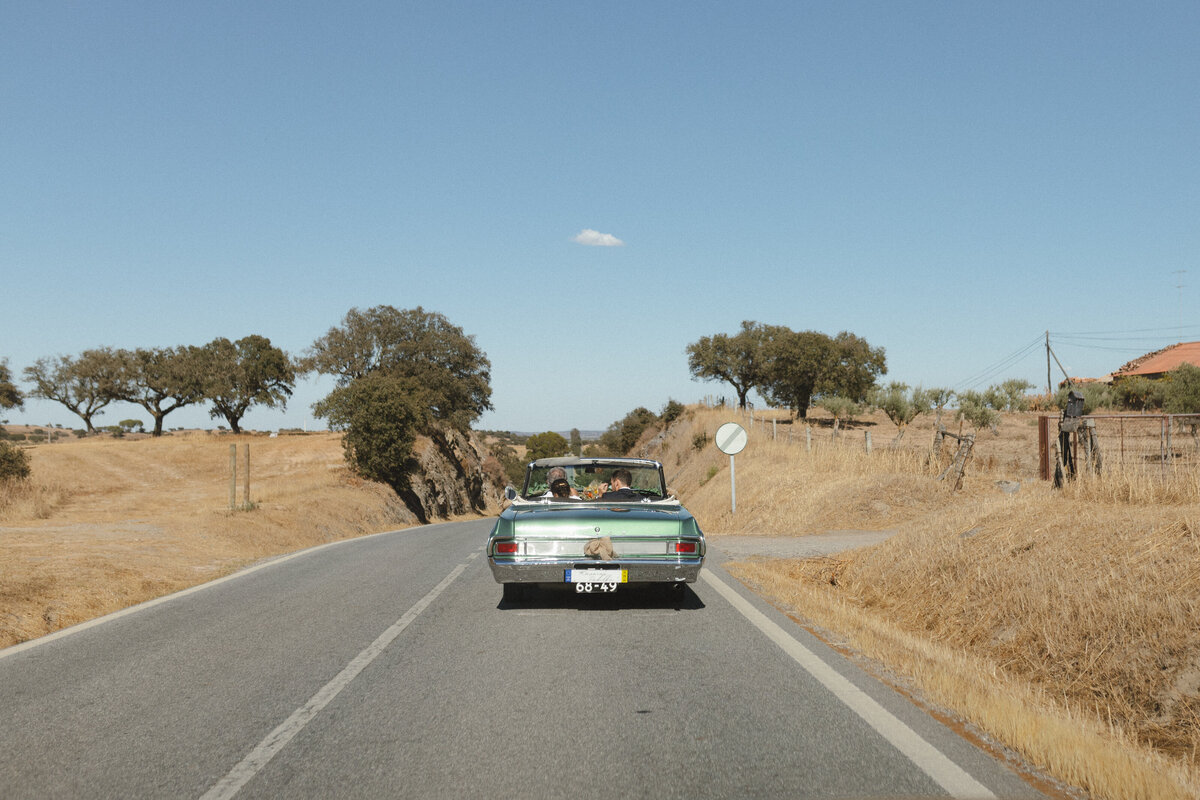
point(389, 667)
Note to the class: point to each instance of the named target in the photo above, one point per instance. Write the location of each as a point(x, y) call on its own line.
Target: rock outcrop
point(452, 475)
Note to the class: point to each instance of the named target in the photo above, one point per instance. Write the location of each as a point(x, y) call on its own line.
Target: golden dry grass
point(1064, 623)
point(104, 523)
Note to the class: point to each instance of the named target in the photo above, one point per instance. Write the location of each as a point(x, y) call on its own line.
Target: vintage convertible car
point(596, 544)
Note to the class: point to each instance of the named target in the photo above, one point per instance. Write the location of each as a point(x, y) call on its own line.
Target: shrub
point(14, 464)
point(840, 408)
point(672, 411)
point(512, 466)
point(975, 409)
point(380, 415)
point(901, 405)
point(1096, 396)
point(1138, 393)
point(1181, 394)
point(623, 434)
point(546, 445)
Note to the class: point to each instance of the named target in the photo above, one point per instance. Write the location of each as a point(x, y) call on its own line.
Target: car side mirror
point(510, 493)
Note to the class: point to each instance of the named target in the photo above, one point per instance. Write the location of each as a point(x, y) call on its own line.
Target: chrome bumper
point(656, 571)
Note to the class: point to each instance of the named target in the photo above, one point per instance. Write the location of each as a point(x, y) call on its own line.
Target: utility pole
point(1179, 286)
point(1049, 390)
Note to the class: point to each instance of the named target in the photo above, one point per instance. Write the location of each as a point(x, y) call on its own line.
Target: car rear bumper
point(642, 571)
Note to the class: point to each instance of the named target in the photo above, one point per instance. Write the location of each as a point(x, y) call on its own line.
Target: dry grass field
point(1060, 622)
point(106, 523)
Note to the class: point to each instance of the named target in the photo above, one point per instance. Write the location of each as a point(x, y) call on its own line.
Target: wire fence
point(1153, 443)
point(1146, 441)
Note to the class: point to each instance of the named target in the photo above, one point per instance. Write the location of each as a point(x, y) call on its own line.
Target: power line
point(1125, 334)
point(998, 367)
point(1078, 346)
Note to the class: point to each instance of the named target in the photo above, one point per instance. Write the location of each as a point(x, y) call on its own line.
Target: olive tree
point(842, 409)
point(975, 409)
point(901, 405)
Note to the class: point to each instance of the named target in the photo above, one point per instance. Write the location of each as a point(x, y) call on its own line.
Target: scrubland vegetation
point(1061, 622)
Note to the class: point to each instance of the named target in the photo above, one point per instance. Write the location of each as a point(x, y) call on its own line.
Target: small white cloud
point(596, 239)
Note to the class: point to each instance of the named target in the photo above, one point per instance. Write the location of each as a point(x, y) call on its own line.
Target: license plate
point(597, 576)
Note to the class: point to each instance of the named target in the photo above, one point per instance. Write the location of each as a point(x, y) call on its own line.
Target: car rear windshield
point(589, 481)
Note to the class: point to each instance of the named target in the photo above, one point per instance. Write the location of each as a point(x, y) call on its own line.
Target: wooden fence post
point(246, 491)
point(868, 433)
point(232, 477)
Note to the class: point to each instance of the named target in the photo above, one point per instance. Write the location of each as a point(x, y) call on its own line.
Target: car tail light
point(506, 547)
point(686, 547)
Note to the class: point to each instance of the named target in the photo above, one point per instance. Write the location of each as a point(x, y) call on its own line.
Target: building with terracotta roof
point(1160, 362)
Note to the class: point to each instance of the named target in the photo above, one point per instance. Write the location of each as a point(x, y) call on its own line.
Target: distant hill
point(587, 436)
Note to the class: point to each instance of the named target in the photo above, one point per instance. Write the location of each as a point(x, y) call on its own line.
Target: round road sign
point(731, 438)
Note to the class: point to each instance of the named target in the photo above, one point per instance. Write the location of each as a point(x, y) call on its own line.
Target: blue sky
point(947, 180)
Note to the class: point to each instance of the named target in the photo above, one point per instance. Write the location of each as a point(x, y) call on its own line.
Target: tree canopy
point(380, 417)
point(85, 385)
point(10, 395)
point(246, 373)
point(622, 435)
point(546, 445)
point(789, 368)
point(902, 405)
point(399, 373)
point(797, 365)
point(735, 359)
point(1182, 392)
point(160, 380)
point(451, 372)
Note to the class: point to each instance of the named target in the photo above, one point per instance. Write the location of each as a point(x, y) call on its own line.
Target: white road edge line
point(277, 739)
point(951, 777)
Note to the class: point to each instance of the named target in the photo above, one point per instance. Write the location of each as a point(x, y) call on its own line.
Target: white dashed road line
point(277, 739)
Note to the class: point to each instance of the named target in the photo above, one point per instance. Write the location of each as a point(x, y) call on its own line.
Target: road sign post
point(731, 440)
